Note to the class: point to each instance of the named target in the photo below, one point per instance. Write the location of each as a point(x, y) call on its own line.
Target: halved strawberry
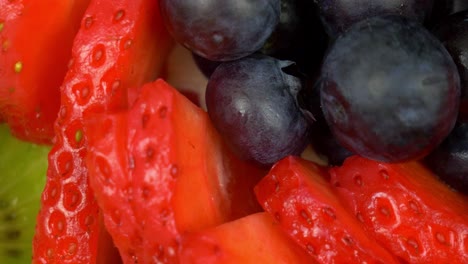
point(406, 209)
point(120, 45)
point(296, 192)
point(160, 170)
point(35, 47)
point(256, 238)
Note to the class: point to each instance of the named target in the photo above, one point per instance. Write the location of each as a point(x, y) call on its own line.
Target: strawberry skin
point(406, 209)
point(296, 192)
point(161, 170)
point(35, 43)
point(256, 238)
point(120, 45)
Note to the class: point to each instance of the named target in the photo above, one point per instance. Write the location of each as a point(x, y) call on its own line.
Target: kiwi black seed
point(22, 177)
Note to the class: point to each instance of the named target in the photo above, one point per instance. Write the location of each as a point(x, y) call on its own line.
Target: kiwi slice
point(23, 169)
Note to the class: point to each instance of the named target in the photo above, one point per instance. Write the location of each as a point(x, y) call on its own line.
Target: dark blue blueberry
point(339, 15)
point(322, 139)
point(450, 160)
point(389, 89)
point(453, 32)
point(299, 36)
point(253, 103)
point(221, 30)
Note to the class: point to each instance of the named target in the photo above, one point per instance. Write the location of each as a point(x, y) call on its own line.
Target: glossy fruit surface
point(297, 193)
point(243, 241)
point(406, 209)
point(120, 45)
point(453, 32)
point(33, 63)
point(160, 170)
point(252, 102)
point(339, 15)
point(221, 30)
point(389, 89)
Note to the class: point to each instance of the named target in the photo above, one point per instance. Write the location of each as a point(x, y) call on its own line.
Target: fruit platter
point(247, 131)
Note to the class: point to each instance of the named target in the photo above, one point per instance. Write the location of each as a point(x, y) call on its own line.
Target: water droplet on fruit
point(88, 22)
point(119, 15)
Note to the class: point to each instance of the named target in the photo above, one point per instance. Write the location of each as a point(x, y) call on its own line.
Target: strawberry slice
point(35, 43)
point(406, 208)
point(296, 192)
point(256, 237)
point(160, 170)
point(120, 45)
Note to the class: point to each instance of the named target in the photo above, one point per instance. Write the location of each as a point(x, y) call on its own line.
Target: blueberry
point(450, 159)
point(339, 15)
point(253, 103)
point(221, 30)
point(389, 89)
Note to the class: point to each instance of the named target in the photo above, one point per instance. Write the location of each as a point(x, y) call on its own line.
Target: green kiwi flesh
point(22, 177)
